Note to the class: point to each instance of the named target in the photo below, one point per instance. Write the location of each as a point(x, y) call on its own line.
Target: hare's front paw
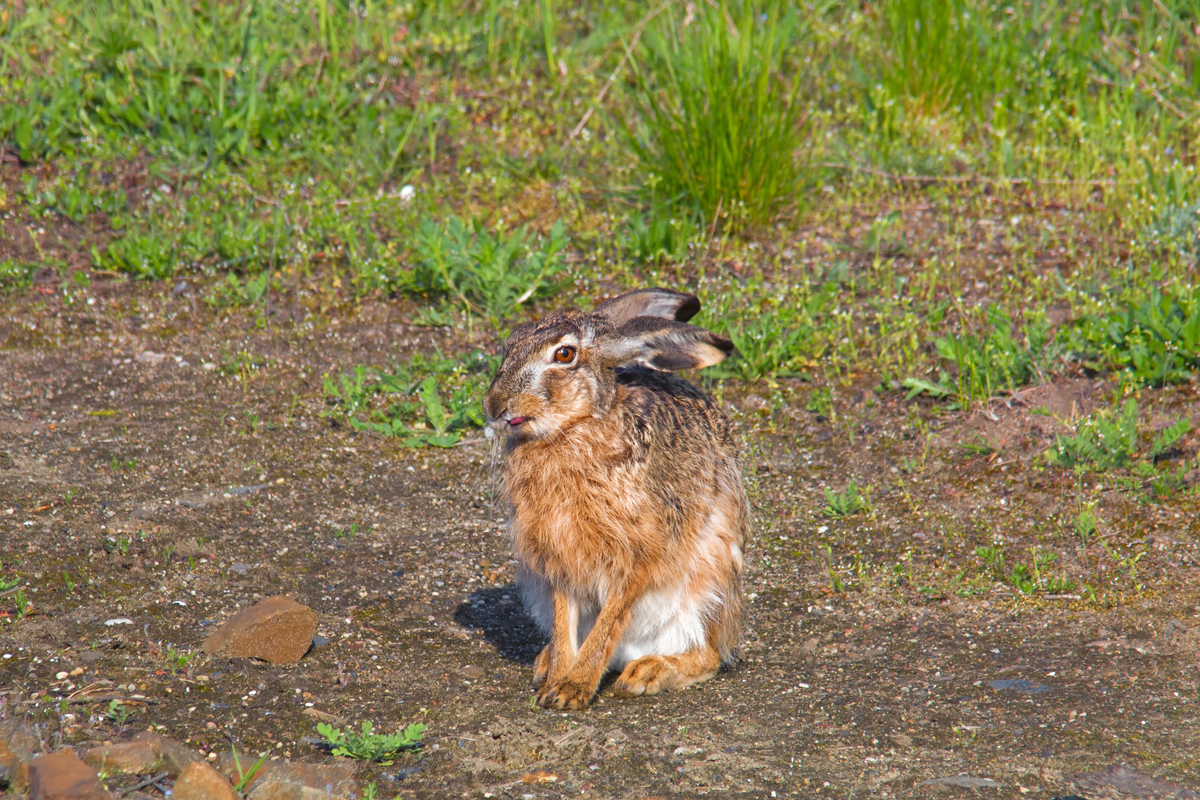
point(565, 695)
point(541, 667)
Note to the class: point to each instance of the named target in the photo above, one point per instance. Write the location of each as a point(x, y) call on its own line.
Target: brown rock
point(148, 753)
point(62, 776)
point(132, 758)
point(278, 630)
point(271, 789)
point(199, 781)
point(17, 743)
point(330, 780)
point(174, 757)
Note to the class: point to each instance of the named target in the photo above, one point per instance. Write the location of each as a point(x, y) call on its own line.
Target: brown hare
point(625, 500)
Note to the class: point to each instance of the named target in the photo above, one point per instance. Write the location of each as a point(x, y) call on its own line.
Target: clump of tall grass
point(720, 125)
point(936, 54)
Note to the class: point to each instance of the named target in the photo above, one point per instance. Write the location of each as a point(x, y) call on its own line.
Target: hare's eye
point(564, 354)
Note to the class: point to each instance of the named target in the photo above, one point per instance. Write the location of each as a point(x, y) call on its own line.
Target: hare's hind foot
point(653, 674)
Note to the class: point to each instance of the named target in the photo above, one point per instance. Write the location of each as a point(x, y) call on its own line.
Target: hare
point(625, 499)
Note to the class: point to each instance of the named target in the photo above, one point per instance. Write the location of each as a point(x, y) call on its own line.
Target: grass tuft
point(719, 125)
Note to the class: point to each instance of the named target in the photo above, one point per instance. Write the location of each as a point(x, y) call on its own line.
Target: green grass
point(1113, 439)
point(424, 402)
point(720, 126)
point(999, 359)
point(481, 162)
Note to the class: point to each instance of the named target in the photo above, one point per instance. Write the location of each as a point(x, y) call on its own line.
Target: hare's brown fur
point(627, 509)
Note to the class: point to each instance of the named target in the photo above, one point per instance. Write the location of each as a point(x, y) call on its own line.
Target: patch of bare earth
point(170, 493)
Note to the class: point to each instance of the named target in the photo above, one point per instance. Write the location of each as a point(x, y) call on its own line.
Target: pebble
point(201, 782)
point(62, 776)
point(278, 630)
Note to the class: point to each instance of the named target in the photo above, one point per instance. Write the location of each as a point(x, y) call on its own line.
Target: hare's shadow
point(500, 616)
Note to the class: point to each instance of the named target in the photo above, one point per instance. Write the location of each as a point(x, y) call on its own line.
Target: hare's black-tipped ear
point(661, 303)
point(663, 345)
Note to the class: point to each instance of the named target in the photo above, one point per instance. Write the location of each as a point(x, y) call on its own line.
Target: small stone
point(62, 776)
point(321, 715)
point(61, 676)
point(473, 672)
point(151, 358)
point(147, 753)
point(901, 739)
point(174, 757)
point(130, 758)
point(271, 789)
point(201, 782)
point(278, 630)
point(187, 548)
point(75, 673)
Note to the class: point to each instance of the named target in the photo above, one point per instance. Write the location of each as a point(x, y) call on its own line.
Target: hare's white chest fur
point(671, 617)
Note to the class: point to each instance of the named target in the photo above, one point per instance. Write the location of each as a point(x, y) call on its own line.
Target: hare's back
point(670, 412)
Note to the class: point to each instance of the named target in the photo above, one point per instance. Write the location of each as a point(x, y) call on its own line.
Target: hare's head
point(559, 370)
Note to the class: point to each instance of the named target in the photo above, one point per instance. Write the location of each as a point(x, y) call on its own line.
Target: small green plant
point(845, 503)
point(235, 291)
point(1151, 342)
point(1026, 578)
point(244, 777)
point(16, 274)
point(776, 335)
point(660, 234)
point(240, 364)
point(349, 393)
point(8, 583)
point(820, 401)
point(1112, 440)
point(177, 660)
point(487, 274)
point(347, 533)
point(23, 605)
point(1126, 562)
point(117, 712)
point(985, 365)
point(370, 746)
point(442, 428)
point(146, 256)
point(1085, 523)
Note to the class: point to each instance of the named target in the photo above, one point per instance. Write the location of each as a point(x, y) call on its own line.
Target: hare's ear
point(662, 303)
point(663, 345)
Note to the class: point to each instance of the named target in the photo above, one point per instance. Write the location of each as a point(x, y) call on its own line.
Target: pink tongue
point(515, 421)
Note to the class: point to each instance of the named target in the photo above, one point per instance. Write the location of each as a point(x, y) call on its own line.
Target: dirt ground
point(148, 474)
